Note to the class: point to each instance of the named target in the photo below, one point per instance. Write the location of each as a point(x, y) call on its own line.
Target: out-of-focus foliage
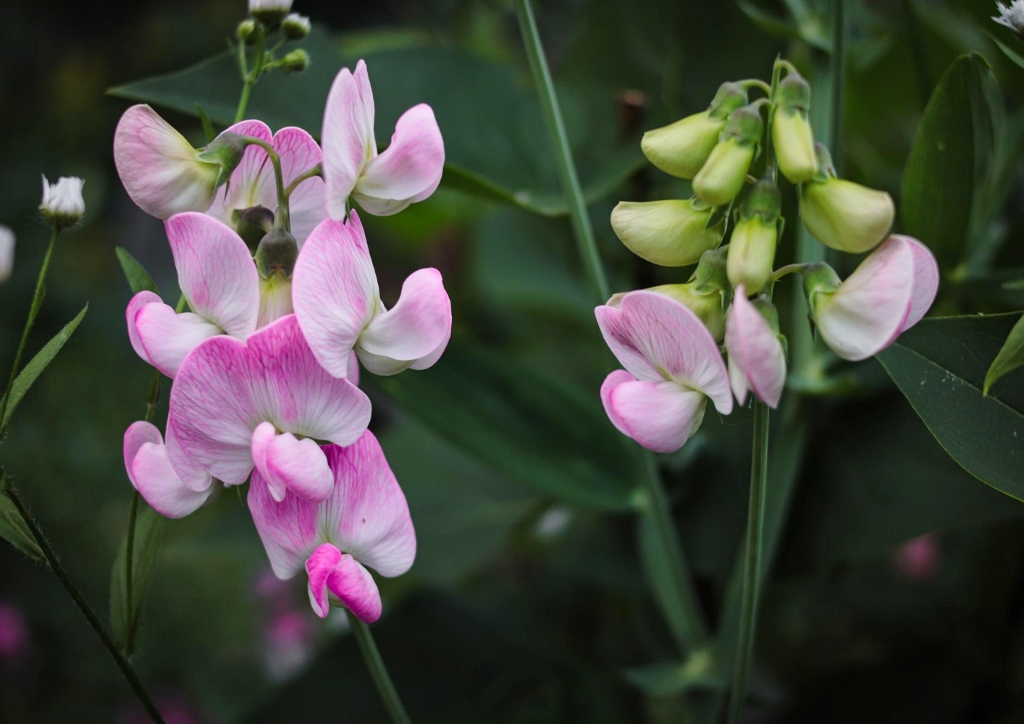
point(527, 604)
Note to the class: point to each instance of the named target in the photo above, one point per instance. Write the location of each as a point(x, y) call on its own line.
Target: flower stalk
point(375, 665)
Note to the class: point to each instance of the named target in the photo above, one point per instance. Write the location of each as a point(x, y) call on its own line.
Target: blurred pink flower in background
point(14, 634)
point(289, 643)
point(174, 708)
point(918, 558)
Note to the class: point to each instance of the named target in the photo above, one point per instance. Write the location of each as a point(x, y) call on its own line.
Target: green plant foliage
point(14, 531)
point(138, 278)
point(941, 365)
point(1010, 357)
point(125, 612)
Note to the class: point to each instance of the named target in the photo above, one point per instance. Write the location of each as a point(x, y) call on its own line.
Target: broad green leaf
point(37, 364)
point(1010, 357)
point(945, 178)
point(125, 614)
point(15, 532)
point(138, 278)
point(490, 120)
point(940, 365)
point(530, 427)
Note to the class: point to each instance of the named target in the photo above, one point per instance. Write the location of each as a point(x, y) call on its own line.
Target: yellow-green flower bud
point(705, 304)
point(752, 254)
point(681, 148)
point(669, 233)
point(721, 177)
point(791, 130)
point(844, 215)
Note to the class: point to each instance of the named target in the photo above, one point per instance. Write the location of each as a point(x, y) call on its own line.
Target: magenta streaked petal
point(262, 436)
point(216, 272)
point(347, 136)
point(926, 281)
point(161, 336)
point(661, 416)
point(655, 337)
point(150, 472)
point(354, 585)
point(334, 291)
point(413, 330)
point(613, 380)
point(319, 567)
point(756, 356)
point(300, 466)
point(409, 170)
point(353, 368)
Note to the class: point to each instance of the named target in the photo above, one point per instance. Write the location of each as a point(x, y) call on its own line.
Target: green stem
point(385, 688)
point(688, 622)
point(752, 562)
point(317, 170)
point(249, 79)
point(837, 87)
point(584, 232)
point(94, 621)
point(284, 213)
point(33, 312)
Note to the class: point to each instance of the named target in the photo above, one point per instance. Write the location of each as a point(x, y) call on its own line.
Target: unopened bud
point(820, 283)
point(295, 61)
point(245, 30)
point(792, 135)
point(63, 205)
point(670, 232)
point(710, 274)
point(721, 178)
point(269, 12)
point(752, 253)
point(253, 224)
point(295, 26)
point(277, 253)
point(705, 304)
point(844, 215)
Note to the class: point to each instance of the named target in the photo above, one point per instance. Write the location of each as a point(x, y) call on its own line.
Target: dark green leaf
point(946, 174)
point(125, 614)
point(15, 532)
point(669, 678)
point(37, 364)
point(527, 426)
point(136, 274)
point(940, 365)
point(1010, 357)
point(1009, 52)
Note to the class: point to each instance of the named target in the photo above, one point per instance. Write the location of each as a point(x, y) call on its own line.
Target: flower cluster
point(283, 306)
point(667, 338)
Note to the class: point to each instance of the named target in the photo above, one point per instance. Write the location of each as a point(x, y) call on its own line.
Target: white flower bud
point(295, 26)
point(269, 11)
point(1012, 16)
point(63, 204)
point(6, 253)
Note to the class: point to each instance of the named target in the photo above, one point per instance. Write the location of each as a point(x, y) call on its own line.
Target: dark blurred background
point(521, 607)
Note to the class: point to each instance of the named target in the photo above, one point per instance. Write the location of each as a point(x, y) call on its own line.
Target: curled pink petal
point(164, 338)
point(347, 136)
point(353, 368)
point(319, 565)
point(216, 272)
point(661, 416)
point(409, 170)
point(226, 388)
point(756, 357)
point(657, 338)
point(301, 467)
point(926, 281)
point(262, 436)
point(334, 291)
point(150, 472)
point(160, 170)
point(413, 330)
point(355, 587)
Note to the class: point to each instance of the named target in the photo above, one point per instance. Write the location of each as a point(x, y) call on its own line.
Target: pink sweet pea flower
point(161, 171)
point(918, 558)
point(338, 304)
point(672, 366)
point(408, 171)
point(364, 522)
point(757, 361)
point(888, 294)
point(263, 402)
point(145, 459)
point(220, 282)
point(252, 183)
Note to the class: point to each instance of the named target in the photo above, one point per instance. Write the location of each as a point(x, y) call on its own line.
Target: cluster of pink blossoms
point(265, 362)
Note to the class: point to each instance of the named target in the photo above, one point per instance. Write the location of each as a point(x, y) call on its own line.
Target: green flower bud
point(791, 131)
point(721, 178)
point(820, 283)
point(295, 26)
point(245, 30)
point(710, 274)
point(253, 224)
point(226, 152)
point(295, 61)
point(846, 216)
point(705, 304)
point(681, 148)
point(669, 233)
point(752, 253)
point(277, 253)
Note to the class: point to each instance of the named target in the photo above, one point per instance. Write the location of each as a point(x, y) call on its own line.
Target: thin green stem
point(788, 269)
point(584, 232)
point(752, 562)
point(317, 170)
point(249, 79)
point(33, 312)
point(83, 605)
point(385, 688)
point(689, 621)
point(283, 212)
point(838, 83)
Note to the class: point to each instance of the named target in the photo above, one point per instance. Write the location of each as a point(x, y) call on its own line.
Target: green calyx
point(729, 97)
point(225, 151)
point(826, 169)
point(745, 125)
point(767, 310)
point(277, 252)
point(253, 224)
point(710, 274)
point(793, 93)
point(820, 283)
point(707, 304)
point(762, 200)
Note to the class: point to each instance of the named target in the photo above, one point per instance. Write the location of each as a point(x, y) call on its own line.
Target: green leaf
point(524, 424)
point(15, 532)
point(490, 120)
point(136, 274)
point(1010, 357)
point(671, 678)
point(37, 364)
point(941, 365)
point(1009, 52)
point(945, 180)
point(125, 615)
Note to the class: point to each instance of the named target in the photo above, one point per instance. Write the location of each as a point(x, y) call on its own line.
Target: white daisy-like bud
point(295, 26)
point(269, 12)
point(1012, 16)
point(63, 204)
point(6, 253)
